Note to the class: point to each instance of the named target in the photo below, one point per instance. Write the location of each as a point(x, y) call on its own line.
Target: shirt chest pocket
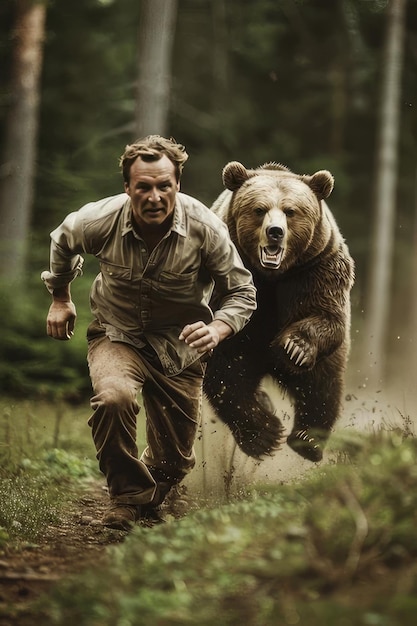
point(112, 272)
point(173, 283)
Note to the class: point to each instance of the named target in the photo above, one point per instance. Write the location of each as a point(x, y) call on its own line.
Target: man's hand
point(204, 337)
point(61, 319)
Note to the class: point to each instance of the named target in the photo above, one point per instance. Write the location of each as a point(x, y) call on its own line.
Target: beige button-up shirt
point(140, 296)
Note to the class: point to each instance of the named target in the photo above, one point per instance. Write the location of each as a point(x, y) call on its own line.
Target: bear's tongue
point(271, 257)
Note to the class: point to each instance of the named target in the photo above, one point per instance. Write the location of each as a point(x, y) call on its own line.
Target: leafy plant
point(60, 465)
point(283, 554)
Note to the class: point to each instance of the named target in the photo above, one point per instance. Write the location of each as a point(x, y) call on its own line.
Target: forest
point(311, 84)
point(306, 83)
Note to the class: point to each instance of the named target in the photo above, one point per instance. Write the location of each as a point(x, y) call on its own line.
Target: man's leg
point(117, 373)
point(173, 408)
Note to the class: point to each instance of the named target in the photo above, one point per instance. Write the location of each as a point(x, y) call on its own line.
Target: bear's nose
point(275, 233)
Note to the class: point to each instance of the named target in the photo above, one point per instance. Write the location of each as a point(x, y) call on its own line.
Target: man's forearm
point(62, 294)
point(223, 329)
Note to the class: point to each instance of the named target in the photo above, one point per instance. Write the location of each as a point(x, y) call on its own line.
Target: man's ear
point(126, 188)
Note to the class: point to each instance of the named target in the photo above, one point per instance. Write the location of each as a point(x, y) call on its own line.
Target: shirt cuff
point(55, 281)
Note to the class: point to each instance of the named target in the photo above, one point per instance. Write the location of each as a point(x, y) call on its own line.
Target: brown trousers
point(172, 405)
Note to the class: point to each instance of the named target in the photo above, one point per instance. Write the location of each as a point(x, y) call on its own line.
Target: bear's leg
point(317, 397)
point(231, 385)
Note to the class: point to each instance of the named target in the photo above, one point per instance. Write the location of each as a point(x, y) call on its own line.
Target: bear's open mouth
point(271, 256)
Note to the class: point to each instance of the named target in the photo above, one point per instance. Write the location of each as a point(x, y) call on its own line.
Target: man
point(161, 253)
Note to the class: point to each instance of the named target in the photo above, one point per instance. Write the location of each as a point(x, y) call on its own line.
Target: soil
point(77, 543)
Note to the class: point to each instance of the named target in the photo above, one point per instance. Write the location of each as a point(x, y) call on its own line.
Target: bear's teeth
point(271, 258)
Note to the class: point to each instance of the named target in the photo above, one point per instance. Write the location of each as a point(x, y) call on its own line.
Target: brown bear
point(300, 333)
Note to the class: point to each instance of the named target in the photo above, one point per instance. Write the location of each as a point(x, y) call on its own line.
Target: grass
point(28, 504)
point(44, 449)
point(28, 428)
point(338, 548)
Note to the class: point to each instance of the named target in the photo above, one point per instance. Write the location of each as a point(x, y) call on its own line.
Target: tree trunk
point(377, 310)
point(156, 37)
point(412, 363)
point(19, 154)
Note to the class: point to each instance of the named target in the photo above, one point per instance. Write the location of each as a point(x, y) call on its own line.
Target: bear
point(299, 334)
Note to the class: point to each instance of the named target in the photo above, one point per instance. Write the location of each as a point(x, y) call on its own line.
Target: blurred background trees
point(295, 81)
point(20, 136)
point(386, 176)
point(153, 91)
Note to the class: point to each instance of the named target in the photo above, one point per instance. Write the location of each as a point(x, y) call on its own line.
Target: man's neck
point(151, 234)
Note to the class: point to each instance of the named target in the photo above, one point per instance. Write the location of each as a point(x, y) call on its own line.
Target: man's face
point(152, 189)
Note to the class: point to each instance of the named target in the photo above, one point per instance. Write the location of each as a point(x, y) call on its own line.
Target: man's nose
point(154, 196)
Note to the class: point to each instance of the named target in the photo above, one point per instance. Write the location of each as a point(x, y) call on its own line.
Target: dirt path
point(79, 541)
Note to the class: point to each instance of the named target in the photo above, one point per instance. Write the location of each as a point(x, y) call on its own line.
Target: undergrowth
point(44, 452)
point(338, 548)
point(27, 506)
point(33, 496)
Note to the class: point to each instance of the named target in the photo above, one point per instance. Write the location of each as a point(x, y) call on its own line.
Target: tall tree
point(377, 310)
point(412, 369)
point(19, 153)
point(156, 36)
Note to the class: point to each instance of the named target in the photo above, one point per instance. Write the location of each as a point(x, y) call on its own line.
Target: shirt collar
point(178, 222)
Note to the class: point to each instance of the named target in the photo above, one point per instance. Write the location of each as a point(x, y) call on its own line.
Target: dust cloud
point(222, 469)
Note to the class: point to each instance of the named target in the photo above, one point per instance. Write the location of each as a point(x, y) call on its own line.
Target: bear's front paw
point(258, 435)
point(306, 444)
point(300, 351)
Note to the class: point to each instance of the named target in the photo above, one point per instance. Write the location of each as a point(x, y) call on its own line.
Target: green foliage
point(61, 466)
point(30, 362)
point(33, 496)
point(292, 81)
point(296, 554)
point(46, 452)
point(87, 101)
point(28, 504)
point(4, 537)
point(38, 432)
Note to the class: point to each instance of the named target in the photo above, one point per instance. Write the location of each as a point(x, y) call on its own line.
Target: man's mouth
point(271, 257)
point(154, 210)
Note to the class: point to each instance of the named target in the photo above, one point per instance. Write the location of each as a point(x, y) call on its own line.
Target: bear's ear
point(234, 175)
point(321, 183)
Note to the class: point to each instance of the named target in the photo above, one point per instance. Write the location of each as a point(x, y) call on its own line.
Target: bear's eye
point(259, 211)
point(289, 212)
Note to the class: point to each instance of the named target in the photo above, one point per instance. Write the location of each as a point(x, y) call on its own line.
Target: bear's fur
point(300, 332)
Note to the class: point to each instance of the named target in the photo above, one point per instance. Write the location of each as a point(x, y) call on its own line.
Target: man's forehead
point(159, 170)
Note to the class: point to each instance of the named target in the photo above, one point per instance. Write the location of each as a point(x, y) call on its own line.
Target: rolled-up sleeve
point(66, 261)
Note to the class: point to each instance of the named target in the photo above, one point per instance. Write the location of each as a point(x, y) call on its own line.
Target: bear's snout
point(275, 234)
point(272, 248)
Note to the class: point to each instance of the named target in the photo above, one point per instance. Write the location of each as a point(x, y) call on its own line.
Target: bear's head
point(277, 218)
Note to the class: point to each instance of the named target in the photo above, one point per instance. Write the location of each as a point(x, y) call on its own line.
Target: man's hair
point(152, 148)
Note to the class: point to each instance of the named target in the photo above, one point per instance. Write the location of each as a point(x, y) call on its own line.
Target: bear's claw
point(305, 445)
point(295, 352)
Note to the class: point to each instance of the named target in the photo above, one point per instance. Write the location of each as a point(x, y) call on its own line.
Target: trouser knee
point(117, 398)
